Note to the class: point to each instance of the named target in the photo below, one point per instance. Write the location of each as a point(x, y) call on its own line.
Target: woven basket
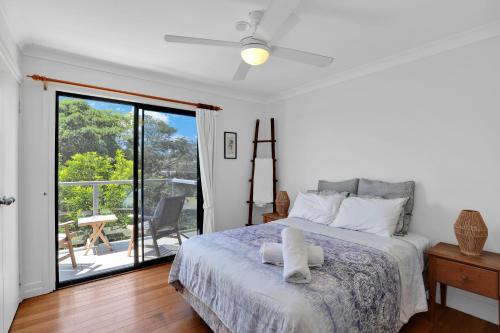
point(471, 232)
point(282, 203)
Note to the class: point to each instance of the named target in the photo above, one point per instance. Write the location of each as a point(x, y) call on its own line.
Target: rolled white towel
point(295, 268)
point(272, 253)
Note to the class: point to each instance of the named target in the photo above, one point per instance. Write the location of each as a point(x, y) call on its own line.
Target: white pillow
point(316, 207)
point(374, 215)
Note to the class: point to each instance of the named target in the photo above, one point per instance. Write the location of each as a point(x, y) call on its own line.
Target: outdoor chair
point(64, 240)
point(163, 223)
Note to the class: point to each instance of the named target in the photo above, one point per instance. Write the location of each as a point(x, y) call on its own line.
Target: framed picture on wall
point(230, 145)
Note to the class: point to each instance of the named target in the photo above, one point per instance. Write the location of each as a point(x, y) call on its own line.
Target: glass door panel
point(168, 184)
point(94, 170)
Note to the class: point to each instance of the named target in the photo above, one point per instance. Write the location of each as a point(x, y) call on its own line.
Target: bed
point(368, 283)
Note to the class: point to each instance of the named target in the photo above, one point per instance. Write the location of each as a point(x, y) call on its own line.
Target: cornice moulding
point(451, 42)
point(10, 60)
point(40, 52)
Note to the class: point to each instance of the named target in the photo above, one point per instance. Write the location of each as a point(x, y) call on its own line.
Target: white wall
point(9, 52)
point(37, 156)
point(436, 121)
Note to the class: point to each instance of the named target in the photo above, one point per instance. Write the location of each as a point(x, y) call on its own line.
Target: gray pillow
point(350, 186)
point(391, 191)
point(329, 192)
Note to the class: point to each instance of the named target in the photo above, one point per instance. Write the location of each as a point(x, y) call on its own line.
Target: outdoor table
point(97, 222)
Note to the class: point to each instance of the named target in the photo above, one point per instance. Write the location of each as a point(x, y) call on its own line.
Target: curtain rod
point(46, 80)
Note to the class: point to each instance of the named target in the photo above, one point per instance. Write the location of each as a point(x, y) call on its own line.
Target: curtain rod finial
point(208, 107)
point(37, 77)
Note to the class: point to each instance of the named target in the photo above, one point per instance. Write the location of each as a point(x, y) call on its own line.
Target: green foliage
point(163, 152)
point(86, 166)
point(114, 194)
point(81, 167)
point(84, 129)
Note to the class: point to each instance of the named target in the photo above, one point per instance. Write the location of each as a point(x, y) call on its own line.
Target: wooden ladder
point(256, 141)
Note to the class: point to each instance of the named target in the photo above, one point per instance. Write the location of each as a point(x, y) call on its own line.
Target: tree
point(115, 194)
point(163, 152)
point(81, 167)
point(76, 200)
point(84, 129)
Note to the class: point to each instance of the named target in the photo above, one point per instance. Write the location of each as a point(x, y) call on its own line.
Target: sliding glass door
point(127, 185)
point(168, 181)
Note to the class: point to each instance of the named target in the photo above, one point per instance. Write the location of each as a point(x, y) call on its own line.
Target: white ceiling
point(130, 32)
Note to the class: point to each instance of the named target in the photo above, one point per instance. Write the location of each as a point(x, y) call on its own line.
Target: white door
point(9, 236)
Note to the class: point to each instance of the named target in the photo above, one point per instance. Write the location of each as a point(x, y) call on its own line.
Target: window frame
point(136, 106)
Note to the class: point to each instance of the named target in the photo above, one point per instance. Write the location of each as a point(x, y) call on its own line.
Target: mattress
point(368, 283)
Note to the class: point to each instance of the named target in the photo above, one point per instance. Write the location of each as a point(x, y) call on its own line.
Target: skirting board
point(33, 289)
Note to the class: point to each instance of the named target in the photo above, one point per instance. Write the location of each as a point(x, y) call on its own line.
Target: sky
point(186, 126)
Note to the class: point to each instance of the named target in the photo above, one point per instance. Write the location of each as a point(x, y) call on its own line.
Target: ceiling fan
point(255, 49)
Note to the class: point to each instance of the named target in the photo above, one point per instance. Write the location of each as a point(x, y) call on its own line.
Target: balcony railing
point(96, 183)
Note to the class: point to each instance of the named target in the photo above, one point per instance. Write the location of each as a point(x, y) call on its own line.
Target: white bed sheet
point(421, 243)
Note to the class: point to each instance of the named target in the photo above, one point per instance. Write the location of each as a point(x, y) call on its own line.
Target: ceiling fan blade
point(301, 56)
point(274, 17)
point(241, 72)
point(288, 25)
point(200, 41)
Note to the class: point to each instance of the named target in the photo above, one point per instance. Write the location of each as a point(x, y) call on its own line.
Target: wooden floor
point(142, 301)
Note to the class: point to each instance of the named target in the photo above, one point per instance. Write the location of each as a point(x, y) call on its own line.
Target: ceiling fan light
point(255, 54)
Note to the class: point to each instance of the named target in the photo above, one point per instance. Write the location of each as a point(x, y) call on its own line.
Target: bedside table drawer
point(474, 279)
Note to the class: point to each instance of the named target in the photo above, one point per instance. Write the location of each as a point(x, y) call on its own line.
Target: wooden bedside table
point(269, 217)
point(448, 266)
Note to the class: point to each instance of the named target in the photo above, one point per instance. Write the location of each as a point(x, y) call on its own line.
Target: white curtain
point(205, 123)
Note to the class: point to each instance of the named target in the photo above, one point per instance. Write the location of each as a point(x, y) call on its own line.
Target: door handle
point(7, 201)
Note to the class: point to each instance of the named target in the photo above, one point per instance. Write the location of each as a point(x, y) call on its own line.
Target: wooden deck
point(142, 301)
point(100, 259)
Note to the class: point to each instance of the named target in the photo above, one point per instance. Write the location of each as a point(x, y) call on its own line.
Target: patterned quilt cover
point(358, 289)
